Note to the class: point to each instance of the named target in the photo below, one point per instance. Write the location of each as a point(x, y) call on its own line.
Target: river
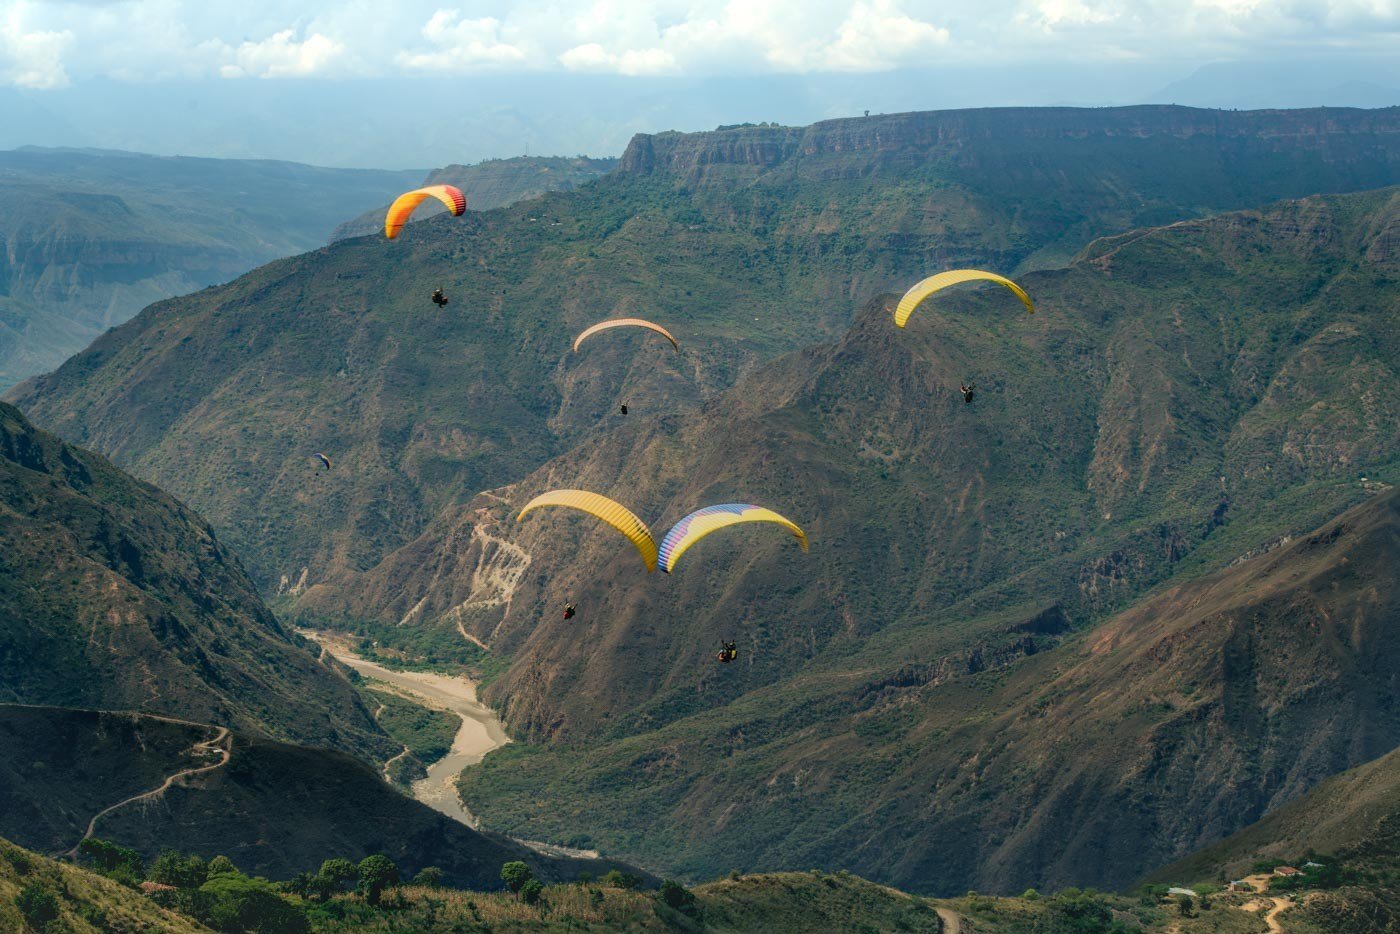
point(481, 732)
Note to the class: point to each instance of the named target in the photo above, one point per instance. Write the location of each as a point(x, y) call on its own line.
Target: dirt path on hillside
point(952, 921)
point(199, 749)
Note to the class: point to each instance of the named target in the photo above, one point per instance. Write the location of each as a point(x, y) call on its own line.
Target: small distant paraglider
point(406, 203)
point(728, 651)
point(439, 298)
point(323, 460)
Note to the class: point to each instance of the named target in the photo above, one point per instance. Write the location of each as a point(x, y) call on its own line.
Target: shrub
point(430, 876)
point(37, 905)
point(620, 880)
point(675, 895)
point(236, 903)
point(531, 891)
point(221, 864)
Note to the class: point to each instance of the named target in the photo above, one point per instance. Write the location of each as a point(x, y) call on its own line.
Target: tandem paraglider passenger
point(967, 392)
point(568, 611)
point(439, 299)
point(728, 651)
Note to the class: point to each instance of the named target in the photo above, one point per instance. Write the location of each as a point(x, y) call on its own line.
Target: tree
point(675, 895)
point(377, 873)
point(237, 903)
point(183, 872)
point(38, 905)
point(430, 876)
point(116, 862)
point(515, 874)
point(530, 892)
point(221, 864)
point(339, 871)
point(620, 880)
point(1186, 904)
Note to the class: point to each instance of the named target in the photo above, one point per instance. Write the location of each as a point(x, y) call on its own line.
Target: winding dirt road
point(952, 921)
point(216, 744)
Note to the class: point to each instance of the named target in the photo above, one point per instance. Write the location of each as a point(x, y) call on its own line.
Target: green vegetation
point(137, 605)
point(425, 732)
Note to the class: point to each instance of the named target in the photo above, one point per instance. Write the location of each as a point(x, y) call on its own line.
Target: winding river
point(481, 731)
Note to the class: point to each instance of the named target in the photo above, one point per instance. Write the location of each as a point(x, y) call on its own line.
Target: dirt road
point(216, 744)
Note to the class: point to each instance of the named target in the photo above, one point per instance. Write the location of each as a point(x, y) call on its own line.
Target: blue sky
point(582, 76)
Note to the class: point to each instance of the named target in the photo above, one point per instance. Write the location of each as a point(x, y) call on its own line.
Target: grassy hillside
point(132, 603)
point(274, 809)
point(66, 898)
point(494, 183)
point(91, 237)
point(1021, 764)
point(747, 242)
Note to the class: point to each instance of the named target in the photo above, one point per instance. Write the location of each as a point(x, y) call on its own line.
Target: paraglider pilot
point(728, 651)
point(439, 299)
point(967, 392)
point(568, 611)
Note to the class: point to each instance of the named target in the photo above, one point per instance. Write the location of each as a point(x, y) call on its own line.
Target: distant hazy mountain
point(89, 238)
point(492, 184)
point(1238, 85)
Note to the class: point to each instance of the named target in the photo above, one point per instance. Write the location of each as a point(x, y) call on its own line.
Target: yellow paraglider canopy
point(932, 284)
point(702, 522)
point(623, 323)
point(614, 514)
point(406, 203)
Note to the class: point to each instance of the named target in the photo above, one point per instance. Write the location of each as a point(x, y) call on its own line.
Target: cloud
point(462, 45)
point(47, 44)
point(277, 56)
point(31, 58)
point(593, 57)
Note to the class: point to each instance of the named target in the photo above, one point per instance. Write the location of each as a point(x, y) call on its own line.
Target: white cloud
point(277, 56)
point(593, 57)
point(462, 44)
point(45, 44)
point(31, 58)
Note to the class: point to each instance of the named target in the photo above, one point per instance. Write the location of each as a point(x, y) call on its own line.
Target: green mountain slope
point(275, 809)
point(82, 901)
point(1354, 816)
point(1022, 764)
point(113, 595)
point(747, 242)
point(88, 237)
point(495, 183)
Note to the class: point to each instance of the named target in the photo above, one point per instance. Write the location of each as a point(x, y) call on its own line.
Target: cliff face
point(1331, 134)
point(114, 596)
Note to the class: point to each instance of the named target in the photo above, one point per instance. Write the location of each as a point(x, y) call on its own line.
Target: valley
point(1075, 654)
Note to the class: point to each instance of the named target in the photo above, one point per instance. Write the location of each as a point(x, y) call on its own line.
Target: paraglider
point(406, 203)
point(702, 522)
point(966, 391)
point(927, 287)
point(439, 299)
point(728, 651)
point(614, 514)
point(622, 323)
point(568, 611)
point(624, 408)
point(325, 461)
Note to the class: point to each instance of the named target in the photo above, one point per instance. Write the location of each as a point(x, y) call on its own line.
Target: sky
point(281, 79)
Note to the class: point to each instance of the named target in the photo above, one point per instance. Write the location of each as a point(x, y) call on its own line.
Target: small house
point(1240, 885)
point(1288, 872)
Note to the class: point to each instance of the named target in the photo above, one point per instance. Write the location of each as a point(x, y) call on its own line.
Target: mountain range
point(1132, 599)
